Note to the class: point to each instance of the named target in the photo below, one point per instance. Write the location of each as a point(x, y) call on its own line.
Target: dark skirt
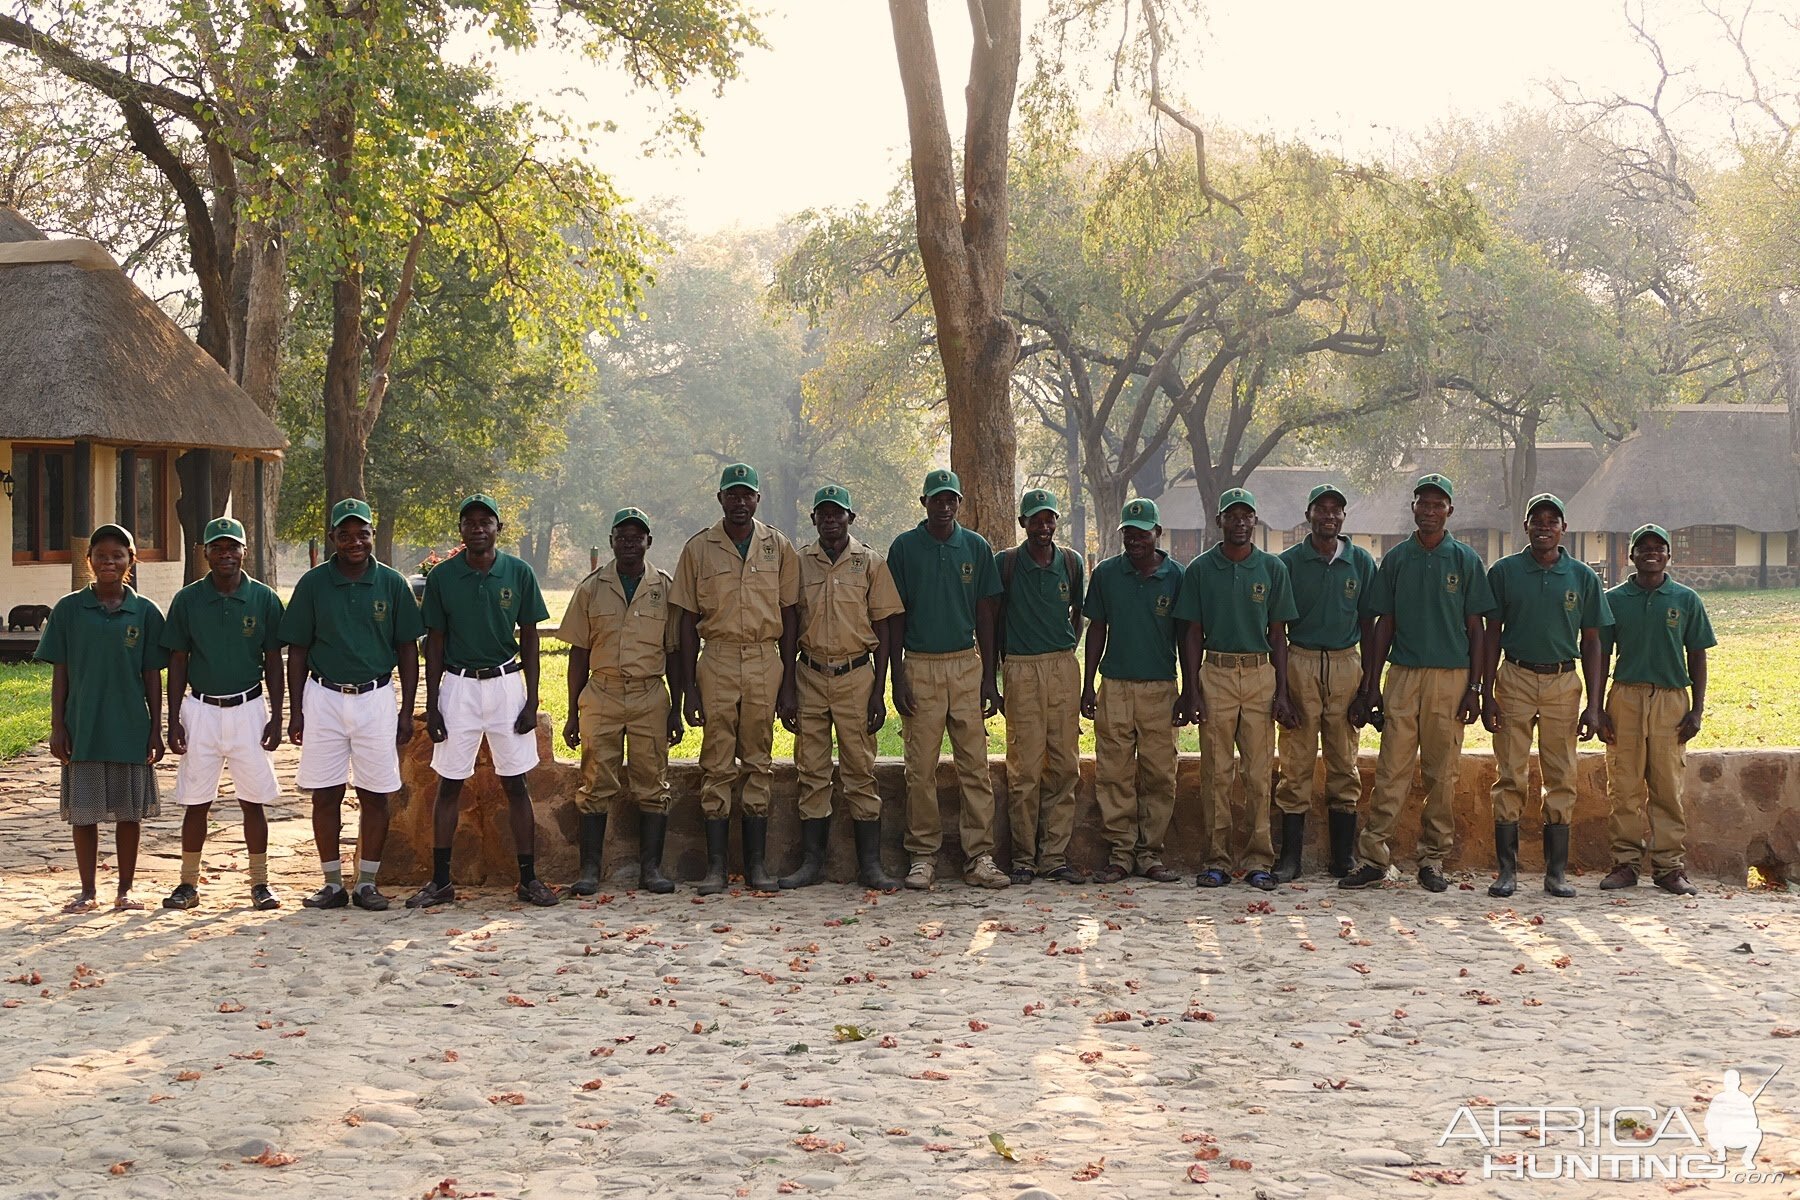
point(96, 792)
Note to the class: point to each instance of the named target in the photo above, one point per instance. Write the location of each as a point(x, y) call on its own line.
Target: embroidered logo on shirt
point(1673, 618)
point(968, 573)
point(506, 597)
point(1350, 586)
point(1451, 581)
point(249, 626)
point(380, 609)
point(1162, 605)
point(1062, 589)
point(858, 564)
point(1570, 601)
point(768, 548)
point(132, 633)
point(1258, 591)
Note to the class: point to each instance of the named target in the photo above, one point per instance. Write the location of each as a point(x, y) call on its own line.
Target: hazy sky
point(817, 119)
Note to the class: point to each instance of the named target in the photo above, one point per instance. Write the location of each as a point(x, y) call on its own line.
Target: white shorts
point(476, 708)
point(226, 737)
point(349, 735)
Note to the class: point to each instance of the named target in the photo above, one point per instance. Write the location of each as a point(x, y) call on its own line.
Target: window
point(143, 500)
point(1705, 546)
point(43, 502)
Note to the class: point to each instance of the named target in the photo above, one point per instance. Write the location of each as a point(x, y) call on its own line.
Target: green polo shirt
point(1654, 631)
point(349, 628)
point(224, 637)
point(1430, 594)
point(1329, 594)
point(1139, 612)
point(940, 583)
point(1544, 609)
point(1235, 601)
point(480, 611)
point(106, 654)
point(1038, 601)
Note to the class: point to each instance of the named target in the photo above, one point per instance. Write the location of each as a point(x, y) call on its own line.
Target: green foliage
point(24, 707)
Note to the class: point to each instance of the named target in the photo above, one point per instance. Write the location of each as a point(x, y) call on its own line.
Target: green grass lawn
point(1754, 676)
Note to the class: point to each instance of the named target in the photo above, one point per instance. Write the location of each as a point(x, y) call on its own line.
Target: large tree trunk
point(962, 243)
point(346, 439)
point(257, 369)
point(1108, 489)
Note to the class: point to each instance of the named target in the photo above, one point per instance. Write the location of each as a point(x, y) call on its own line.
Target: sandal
point(1261, 879)
point(125, 903)
point(1211, 878)
point(80, 904)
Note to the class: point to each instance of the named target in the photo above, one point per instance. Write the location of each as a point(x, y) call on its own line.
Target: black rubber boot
point(869, 871)
point(756, 838)
point(1556, 860)
point(1343, 842)
point(1506, 851)
point(814, 831)
point(592, 835)
point(718, 843)
point(651, 829)
point(1293, 841)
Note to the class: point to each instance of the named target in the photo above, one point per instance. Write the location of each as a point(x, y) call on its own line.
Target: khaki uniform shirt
point(624, 640)
point(841, 601)
point(738, 598)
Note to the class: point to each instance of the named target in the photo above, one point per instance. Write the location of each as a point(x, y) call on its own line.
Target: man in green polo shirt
point(1040, 622)
point(1328, 642)
point(351, 624)
point(1131, 642)
point(1657, 702)
point(943, 673)
point(1550, 611)
point(1430, 594)
point(1237, 602)
point(482, 609)
point(223, 635)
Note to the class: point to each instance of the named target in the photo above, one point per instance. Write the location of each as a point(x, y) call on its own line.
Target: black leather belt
point(840, 669)
point(511, 668)
point(1555, 668)
point(350, 689)
point(229, 701)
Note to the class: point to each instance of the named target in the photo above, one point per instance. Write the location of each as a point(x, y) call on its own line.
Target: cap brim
point(1032, 512)
point(834, 504)
point(1331, 492)
point(224, 537)
point(942, 487)
point(1146, 526)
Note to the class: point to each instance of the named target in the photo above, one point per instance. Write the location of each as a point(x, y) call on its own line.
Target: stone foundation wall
point(1743, 810)
point(1741, 578)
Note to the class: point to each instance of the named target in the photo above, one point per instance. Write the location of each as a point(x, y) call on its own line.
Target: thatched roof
point(1696, 464)
point(1280, 497)
point(85, 355)
point(15, 228)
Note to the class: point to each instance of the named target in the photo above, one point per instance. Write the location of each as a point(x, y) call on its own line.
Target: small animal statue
point(23, 615)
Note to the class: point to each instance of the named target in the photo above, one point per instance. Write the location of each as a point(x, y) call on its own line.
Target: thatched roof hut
point(85, 355)
point(1480, 477)
point(1280, 497)
point(1696, 464)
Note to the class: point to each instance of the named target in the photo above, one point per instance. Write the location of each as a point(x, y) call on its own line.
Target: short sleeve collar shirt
point(480, 612)
point(1329, 594)
point(1430, 594)
point(841, 599)
point(738, 597)
point(351, 628)
point(627, 638)
point(1235, 602)
point(941, 583)
point(1139, 612)
point(1544, 609)
point(1039, 600)
point(1653, 631)
point(106, 654)
point(226, 635)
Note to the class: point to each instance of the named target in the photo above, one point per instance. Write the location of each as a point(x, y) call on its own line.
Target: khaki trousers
point(1553, 704)
point(946, 692)
point(1647, 756)
point(1043, 755)
point(840, 703)
point(1421, 705)
point(1239, 703)
point(1321, 683)
point(624, 732)
point(1134, 768)
point(738, 682)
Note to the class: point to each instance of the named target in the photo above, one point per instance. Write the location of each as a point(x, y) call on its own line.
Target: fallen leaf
point(788, 1187)
point(976, 1025)
point(1092, 1170)
point(592, 1124)
point(1001, 1148)
point(1360, 968)
point(1111, 1017)
point(664, 1100)
point(119, 1168)
point(811, 1142)
point(1781, 1031)
point(507, 1098)
point(187, 1076)
point(939, 1148)
point(1238, 1164)
point(850, 1033)
point(931, 1075)
point(159, 1097)
point(29, 978)
point(808, 1102)
point(1090, 1057)
point(271, 1157)
point(230, 1006)
point(353, 1119)
point(252, 1056)
point(888, 1042)
point(1199, 1174)
point(520, 1001)
point(593, 1085)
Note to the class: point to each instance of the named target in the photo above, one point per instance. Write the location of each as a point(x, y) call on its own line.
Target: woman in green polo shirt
point(106, 710)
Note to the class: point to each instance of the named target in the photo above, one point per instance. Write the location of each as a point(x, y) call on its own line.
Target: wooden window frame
point(27, 490)
point(1682, 553)
point(127, 490)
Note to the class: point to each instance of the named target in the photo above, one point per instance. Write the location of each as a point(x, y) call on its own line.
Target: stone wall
point(1743, 810)
point(1739, 578)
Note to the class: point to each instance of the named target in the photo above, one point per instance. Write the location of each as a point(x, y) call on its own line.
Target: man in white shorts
point(350, 625)
point(482, 610)
point(223, 638)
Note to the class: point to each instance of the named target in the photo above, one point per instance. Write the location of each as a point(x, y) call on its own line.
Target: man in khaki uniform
point(944, 669)
point(1237, 602)
point(1550, 612)
point(846, 598)
point(1132, 638)
point(623, 632)
point(1330, 577)
point(1040, 622)
point(1658, 700)
point(738, 585)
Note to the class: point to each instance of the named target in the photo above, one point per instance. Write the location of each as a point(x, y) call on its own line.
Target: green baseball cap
point(343, 510)
point(1038, 500)
point(631, 514)
point(833, 493)
point(481, 499)
point(116, 532)
point(1326, 489)
point(739, 475)
point(1434, 480)
point(1139, 514)
point(942, 480)
point(1644, 531)
point(1231, 496)
point(222, 527)
point(1540, 500)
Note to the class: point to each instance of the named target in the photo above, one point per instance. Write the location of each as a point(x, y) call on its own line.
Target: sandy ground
point(1121, 1042)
